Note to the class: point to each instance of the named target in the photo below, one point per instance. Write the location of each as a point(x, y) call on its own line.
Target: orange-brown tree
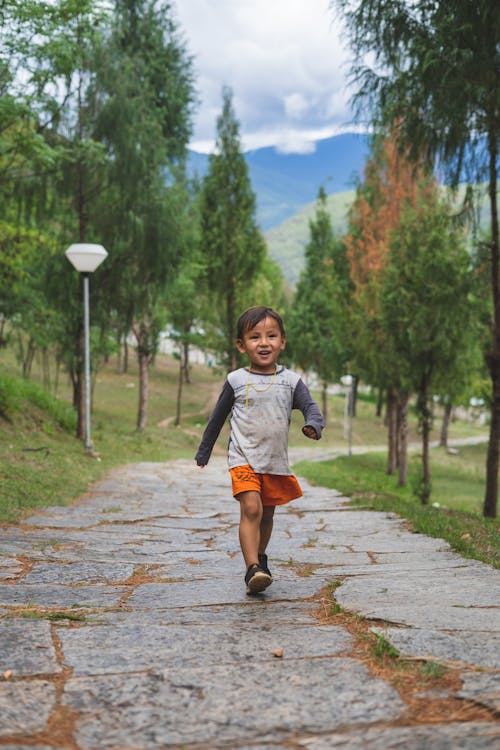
point(390, 184)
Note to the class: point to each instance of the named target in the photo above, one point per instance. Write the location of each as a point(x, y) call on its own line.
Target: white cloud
point(284, 61)
point(296, 106)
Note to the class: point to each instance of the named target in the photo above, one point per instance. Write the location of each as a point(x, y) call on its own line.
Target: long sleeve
point(303, 400)
point(215, 424)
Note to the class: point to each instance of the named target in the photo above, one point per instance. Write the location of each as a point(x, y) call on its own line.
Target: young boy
point(260, 398)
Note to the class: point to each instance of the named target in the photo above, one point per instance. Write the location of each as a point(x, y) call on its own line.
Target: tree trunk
point(425, 423)
point(125, 354)
point(492, 459)
point(391, 430)
point(179, 392)
point(443, 438)
point(398, 428)
point(380, 402)
point(28, 358)
point(119, 365)
point(56, 375)
point(354, 395)
point(324, 402)
point(403, 439)
point(187, 366)
point(142, 334)
point(230, 327)
point(46, 368)
point(142, 414)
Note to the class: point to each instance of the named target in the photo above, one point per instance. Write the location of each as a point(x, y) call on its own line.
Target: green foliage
point(434, 74)
point(426, 310)
point(318, 317)
point(143, 98)
point(232, 244)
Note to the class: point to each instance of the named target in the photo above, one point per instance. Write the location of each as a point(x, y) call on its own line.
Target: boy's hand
point(310, 432)
point(202, 466)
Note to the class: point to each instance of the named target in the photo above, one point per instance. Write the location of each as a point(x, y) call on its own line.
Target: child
point(260, 398)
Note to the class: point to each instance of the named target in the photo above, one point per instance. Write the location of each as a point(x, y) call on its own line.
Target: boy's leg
point(266, 527)
point(251, 514)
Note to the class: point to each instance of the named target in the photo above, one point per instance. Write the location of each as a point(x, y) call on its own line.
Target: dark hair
point(252, 317)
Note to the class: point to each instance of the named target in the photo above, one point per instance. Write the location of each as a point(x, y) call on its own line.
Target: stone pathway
point(125, 625)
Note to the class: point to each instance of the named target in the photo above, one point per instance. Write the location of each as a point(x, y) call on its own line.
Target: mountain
point(287, 241)
point(285, 183)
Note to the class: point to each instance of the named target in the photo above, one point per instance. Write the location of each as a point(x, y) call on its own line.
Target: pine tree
point(318, 318)
point(426, 306)
point(232, 244)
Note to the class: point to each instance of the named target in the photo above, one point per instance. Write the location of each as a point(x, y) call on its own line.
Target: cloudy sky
point(284, 61)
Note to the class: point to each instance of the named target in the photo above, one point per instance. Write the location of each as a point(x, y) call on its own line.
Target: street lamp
point(347, 382)
point(86, 258)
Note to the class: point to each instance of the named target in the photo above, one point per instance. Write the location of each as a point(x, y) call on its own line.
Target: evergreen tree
point(232, 244)
point(318, 316)
point(426, 306)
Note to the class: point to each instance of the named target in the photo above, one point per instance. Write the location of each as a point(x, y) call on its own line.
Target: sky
point(284, 61)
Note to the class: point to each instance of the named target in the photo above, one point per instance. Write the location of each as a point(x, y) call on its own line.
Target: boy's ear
point(240, 346)
point(283, 342)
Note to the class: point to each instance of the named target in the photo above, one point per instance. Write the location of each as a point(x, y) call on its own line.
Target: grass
point(43, 464)
point(458, 486)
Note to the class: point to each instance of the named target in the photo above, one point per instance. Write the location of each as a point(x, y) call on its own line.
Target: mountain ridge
point(284, 183)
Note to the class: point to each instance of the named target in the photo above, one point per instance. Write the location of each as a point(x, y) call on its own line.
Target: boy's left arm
point(314, 422)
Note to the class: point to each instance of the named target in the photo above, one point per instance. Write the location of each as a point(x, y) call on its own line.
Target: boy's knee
point(251, 505)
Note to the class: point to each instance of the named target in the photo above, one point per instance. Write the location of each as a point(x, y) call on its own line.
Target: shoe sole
point(258, 582)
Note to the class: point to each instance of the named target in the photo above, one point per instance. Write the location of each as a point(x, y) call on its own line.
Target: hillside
point(287, 241)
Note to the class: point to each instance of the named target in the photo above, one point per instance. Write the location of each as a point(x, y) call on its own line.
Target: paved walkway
point(125, 625)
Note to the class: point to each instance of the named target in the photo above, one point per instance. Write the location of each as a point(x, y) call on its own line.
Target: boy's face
point(262, 344)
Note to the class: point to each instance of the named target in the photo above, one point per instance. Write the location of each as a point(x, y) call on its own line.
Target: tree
point(232, 243)
point(426, 306)
point(390, 183)
point(318, 313)
point(437, 65)
point(46, 151)
point(143, 99)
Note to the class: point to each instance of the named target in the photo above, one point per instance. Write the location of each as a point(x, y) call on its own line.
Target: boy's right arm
point(215, 424)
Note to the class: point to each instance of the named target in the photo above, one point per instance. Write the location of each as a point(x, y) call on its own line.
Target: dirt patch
point(428, 688)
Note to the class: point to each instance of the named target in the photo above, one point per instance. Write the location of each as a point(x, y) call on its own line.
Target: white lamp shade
point(86, 257)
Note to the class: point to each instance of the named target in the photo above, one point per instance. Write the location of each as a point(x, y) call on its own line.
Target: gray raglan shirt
point(260, 406)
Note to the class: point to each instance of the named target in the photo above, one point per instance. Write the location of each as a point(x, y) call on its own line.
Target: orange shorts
point(274, 489)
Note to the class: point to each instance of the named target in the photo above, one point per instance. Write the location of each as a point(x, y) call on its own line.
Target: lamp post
point(86, 258)
point(347, 382)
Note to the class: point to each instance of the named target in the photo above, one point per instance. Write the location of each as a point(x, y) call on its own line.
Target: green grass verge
point(458, 486)
point(41, 462)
